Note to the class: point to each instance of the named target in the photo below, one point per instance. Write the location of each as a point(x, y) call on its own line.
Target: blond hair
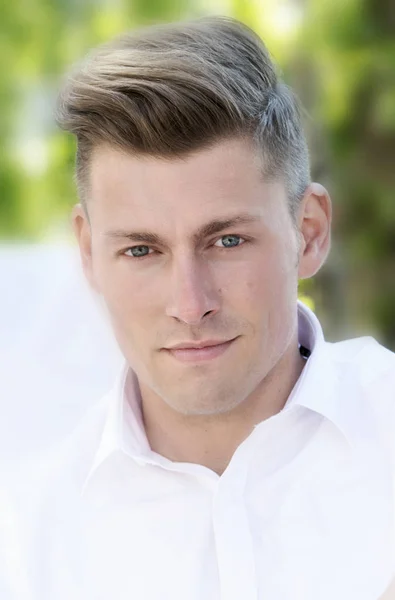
point(172, 89)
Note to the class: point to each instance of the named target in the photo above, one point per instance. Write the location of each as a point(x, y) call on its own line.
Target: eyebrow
point(211, 228)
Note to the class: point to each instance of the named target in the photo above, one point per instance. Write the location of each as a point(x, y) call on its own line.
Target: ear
point(314, 222)
point(82, 231)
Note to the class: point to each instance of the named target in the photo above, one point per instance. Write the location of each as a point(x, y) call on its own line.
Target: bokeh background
point(339, 56)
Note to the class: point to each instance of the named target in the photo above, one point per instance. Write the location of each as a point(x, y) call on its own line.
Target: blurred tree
point(354, 64)
point(39, 39)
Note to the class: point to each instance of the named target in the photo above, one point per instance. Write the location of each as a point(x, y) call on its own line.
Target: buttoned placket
point(231, 524)
point(233, 540)
point(231, 528)
point(234, 545)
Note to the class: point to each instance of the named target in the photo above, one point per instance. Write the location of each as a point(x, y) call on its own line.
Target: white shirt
point(304, 510)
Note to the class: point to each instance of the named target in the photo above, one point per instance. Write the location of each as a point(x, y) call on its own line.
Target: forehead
point(238, 156)
point(216, 182)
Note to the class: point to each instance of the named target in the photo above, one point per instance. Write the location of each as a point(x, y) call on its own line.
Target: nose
point(193, 295)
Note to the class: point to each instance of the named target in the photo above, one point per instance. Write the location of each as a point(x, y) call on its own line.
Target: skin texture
point(190, 288)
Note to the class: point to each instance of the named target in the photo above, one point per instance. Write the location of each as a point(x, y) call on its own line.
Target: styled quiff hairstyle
point(169, 90)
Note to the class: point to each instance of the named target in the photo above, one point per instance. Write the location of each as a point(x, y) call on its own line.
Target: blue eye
point(230, 241)
point(138, 251)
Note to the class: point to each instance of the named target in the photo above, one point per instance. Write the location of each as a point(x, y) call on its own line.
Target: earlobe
point(82, 231)
point(315, 228)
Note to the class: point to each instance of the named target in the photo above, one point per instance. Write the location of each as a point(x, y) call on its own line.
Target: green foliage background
point(338, 55)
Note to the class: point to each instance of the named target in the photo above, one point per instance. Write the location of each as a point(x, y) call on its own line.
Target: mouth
point(200, 354)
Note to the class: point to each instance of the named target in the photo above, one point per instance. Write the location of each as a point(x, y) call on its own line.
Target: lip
point(199, 353)
point(195, 345)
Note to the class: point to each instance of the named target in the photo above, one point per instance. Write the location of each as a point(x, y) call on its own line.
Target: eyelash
point(244, 240)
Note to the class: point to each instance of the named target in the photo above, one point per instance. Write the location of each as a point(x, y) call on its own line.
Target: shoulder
point(38, 493)
point(68, 460)
point(370, 368)
point(368, 360)
point(32, 484)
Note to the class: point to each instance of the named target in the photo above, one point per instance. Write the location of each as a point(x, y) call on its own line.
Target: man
point(239, 456)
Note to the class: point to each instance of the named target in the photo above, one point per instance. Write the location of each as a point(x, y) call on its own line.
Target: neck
point(211, 441)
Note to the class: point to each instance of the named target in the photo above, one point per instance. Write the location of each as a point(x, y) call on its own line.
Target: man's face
point(191, 276)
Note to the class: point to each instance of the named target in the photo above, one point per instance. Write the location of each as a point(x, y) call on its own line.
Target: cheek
point(264, 296)
point(258, 282)
point(129, 299)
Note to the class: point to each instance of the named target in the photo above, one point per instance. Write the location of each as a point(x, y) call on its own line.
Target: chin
point(207, 406)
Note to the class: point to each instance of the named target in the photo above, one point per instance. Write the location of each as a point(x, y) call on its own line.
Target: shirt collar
point(323, 387)
point(330, 384)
